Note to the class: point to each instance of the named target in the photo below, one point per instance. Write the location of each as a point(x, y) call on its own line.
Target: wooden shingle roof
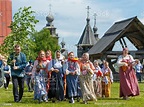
point(130, 28)
point(87, 37)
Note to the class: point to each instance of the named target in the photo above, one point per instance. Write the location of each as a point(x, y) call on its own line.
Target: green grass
point(6, 100)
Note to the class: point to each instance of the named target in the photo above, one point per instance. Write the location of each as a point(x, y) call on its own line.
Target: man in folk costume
point(86, 78)
point(128, 81)
point(17, 62)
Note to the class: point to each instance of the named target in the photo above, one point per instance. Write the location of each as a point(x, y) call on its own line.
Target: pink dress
point(128, 81)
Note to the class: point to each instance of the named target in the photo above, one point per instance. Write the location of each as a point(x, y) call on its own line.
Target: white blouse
point(121, 57)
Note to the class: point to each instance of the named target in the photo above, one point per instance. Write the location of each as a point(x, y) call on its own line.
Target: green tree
point(22, 27)
point(44, 41)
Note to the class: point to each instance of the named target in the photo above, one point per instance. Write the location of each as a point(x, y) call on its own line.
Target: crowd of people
point(57, 79)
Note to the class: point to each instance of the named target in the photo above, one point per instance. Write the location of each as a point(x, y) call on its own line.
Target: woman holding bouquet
point(128, 81)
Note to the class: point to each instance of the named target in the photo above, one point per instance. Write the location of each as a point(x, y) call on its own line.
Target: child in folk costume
point(40, 77)
point(107, 80)
point(97, 77)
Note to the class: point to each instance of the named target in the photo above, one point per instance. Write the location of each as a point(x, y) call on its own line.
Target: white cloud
point(70, 15)
point(142, 20)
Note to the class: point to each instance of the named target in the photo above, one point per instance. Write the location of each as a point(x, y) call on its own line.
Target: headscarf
point(75, 59)
point(39, 58)
point(50, 55)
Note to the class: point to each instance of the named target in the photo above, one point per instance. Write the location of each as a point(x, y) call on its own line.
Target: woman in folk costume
point(128, 81)
point(56, 90)
point(48, 55)
point(86, 78)
point(97, 77)
point(107, 80)
point(40, 77)
point(72, 72)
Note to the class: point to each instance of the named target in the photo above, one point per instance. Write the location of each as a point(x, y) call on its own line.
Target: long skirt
point(97, 87)
point(106, 89)
point(128, 83)
point(87, 88)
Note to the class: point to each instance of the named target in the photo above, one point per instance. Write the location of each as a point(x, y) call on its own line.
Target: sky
point(70, 15)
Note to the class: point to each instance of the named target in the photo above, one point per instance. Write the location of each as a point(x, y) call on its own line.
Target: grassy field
point(6, 100)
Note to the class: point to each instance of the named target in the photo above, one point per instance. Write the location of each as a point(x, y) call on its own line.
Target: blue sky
point(70, 15)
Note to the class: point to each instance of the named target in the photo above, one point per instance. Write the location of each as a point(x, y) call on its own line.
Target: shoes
point(44, 98)
point(40, 100)
point(85, 102)
point(72, 101)
point(78, 99)
point(18, 101)
point(53, 100)
point(125, 98)
point(6, 88)
point(46, 101)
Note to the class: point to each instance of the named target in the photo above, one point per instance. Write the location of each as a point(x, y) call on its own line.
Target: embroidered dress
point(97, 77)
point(128, 81)
point(40, 92)
point(86, 81)
point(106, 81)
point(72, 80)
point(40, 80)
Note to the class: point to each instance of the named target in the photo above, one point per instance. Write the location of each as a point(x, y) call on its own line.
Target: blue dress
point(72, 80)
point(40, 81)
point(56, 82)
point(39, 87)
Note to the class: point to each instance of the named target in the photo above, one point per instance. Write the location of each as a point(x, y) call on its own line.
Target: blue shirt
point(20, 63)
